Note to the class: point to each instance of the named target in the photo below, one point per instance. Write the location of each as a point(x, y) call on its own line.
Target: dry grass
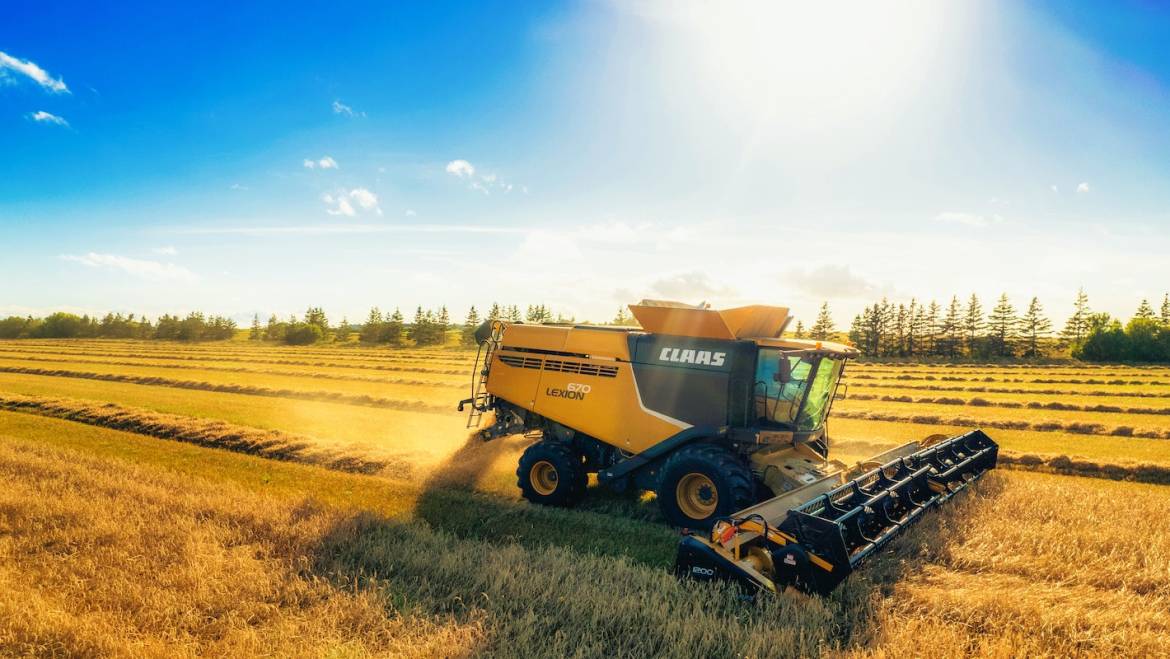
point(408, 366)
point(1071, 391)
point(377, 433)
point(154, 368)
point(435, 556)
point(219, 434)
point(233, 388)
point(1042, 425)
point(1000, 401)
point(104, 557)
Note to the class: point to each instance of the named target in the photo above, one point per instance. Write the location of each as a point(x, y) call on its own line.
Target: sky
point(262, 157)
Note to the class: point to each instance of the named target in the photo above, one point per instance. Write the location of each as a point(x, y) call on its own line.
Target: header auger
point(726, 422)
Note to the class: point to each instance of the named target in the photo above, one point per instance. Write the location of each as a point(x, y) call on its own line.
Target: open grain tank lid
point(678, 319)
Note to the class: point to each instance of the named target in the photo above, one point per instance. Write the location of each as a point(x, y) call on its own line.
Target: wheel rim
point(697, 496)
point(543, 477)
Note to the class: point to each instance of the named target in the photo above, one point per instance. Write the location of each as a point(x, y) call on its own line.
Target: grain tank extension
point(726, 422)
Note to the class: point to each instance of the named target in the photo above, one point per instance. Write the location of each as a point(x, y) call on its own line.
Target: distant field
point(291, 476)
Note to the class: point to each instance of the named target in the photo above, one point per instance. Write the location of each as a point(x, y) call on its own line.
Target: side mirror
point(783, 373)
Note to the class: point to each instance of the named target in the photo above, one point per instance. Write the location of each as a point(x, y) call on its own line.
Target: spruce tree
point(952, 329)
point(1076, 329)
point(514, 313)
point(1034, 326)
point(823, 328)
point(392, 329)
point(494, 313)
point(857, 333)
point(1166, 310)
point(1145, 311)
point(417, 330)
point(1002, 326)
point(973, 323)
point(799, 329)
point(371, 332)
point(930, 337)
point(256, 334)
point(441, 327)
point(622, 318)
point(469, 327)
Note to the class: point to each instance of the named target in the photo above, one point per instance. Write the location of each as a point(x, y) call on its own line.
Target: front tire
point(552, 474)
point(701, 483)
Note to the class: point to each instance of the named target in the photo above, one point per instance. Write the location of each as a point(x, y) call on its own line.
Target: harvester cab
point(726, 421)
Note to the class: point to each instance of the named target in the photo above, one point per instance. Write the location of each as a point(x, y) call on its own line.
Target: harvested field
point(334, 505)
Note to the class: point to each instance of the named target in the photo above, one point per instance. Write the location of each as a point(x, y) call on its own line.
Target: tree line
point(964, 330)
point(193, 327)
point(960, 330)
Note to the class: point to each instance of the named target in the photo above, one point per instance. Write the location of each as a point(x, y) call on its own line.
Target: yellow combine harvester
point(725, 422)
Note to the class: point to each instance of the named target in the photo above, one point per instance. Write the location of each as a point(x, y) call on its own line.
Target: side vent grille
point(582, 369)
point(521, 362)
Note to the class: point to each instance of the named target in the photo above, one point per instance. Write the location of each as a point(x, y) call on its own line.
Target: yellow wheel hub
point(543, 477)
point(696, 496)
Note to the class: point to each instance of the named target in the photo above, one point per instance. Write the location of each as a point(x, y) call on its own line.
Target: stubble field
point(172, 500)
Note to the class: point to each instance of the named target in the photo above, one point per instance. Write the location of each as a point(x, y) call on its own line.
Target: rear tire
point(701, 483)
point(552, 474)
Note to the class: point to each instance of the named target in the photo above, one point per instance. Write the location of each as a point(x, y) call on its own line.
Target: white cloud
point(366, 199)
point(40, 116)
point(831, 282)
point(167, 250)
point(32, 71)
point(968, 219)
point(237, 186)
point(1054, 188)
point(1083, 187)
point(343, 203)
point(410, 212)
point(343, 109)
point(139, 268)
point(460, 168)
point(324, 163)
point(689, 287)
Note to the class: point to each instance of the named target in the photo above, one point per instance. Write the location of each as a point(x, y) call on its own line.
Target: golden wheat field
point(232, 499)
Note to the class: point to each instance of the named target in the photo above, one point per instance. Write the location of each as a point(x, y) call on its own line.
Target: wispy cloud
point(237, 186)
point(1083, 187)
point(42, 117)
point(152, 270)
point(324, 163)
point(1054, 187)
point(33, 72)
point(968, 219)
point(345, 110)
point(167, 250)
point(349, 203)
point(831, 281)
point(484, 182)
point(689, 286)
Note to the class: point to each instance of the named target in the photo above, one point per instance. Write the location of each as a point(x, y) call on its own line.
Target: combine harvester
point(725, 422)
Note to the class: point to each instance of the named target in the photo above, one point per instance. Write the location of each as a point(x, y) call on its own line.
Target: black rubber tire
point(571, 477)
point(730, 474)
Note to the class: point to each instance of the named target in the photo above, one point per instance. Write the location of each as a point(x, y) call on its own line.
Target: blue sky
point(257, 157)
